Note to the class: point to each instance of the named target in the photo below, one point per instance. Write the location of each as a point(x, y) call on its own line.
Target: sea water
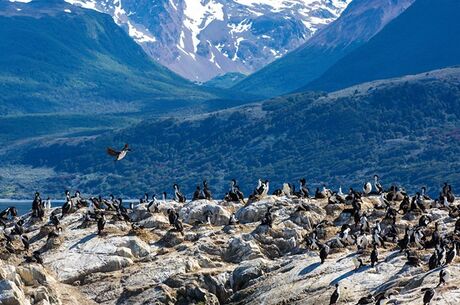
point(25, 206)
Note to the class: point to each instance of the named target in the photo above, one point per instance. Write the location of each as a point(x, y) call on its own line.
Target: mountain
point(405, 129)
point(56, 57)
point(358, 24)
point(201, 39)
point(425, 37)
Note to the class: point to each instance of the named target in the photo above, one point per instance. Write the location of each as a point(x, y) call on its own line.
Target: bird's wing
point(112, 152)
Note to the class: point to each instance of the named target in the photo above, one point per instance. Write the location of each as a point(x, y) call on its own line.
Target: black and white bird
point(358, 262)
point(304, 192)
point(178, 196)
point(268, 218)
point(374, 256)
point(54, 233)
point(451, 254)
point(178, 226)
point(101, 224)
point(428, 296)
point(378, 187)
point(232, 221)
point(9, 212)
point(54, 220)
point(367, 188)
point(377, 239)
point(118, 154)
point(172, 216)
point(197, 194)
point(144, 199)
point(25, 242)
point(324, 252)
point(423, 193)
point(335, 295)
point(443, 277)
point(206, 191)
point(433, 262)
point(67, 206)
point(154, 205)
point(235, 193)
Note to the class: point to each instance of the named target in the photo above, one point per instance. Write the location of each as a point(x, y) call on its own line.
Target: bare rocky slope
point(215, 263)
point(203, 39)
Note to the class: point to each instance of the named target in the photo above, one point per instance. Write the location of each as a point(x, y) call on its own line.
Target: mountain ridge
point(60, 58)
point(358, 23)
point(203, 39)
point(407, 45)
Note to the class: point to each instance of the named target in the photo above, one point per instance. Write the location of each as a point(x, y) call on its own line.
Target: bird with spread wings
point(118, 155)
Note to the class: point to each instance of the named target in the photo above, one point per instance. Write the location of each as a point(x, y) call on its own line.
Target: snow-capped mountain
point(201, 39)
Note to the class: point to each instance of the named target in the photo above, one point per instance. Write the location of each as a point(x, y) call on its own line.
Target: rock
point(253, 212)
point(8, 272)
point(124, 252)
point(138, 247)
point(217, 285)
point(193, 294)
point(247, 271)
point(156, 221)
point(70, 267)
point(334, 209)
point(11, 294)
point(242, 248)
point(192, 265)
point(195, 211)
point(33, 274)
point(41, 294)
point(246, 263)
point(171, 239)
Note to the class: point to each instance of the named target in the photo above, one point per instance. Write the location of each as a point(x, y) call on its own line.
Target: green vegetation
point(405, 130)
point(54, 61)
point(225, 81)
point(24, 127)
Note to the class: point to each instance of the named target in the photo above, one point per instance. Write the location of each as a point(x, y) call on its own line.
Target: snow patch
point(199, 15)
point(138, 35)
point(173, 4)
point(89, 4)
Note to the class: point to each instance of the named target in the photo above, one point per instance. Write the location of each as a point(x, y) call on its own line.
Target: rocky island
point(228, 253)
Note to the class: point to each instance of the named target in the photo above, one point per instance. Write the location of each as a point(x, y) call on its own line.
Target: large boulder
point(195, 211)
point(73, 266)
point(282, 208)
point(253, 212)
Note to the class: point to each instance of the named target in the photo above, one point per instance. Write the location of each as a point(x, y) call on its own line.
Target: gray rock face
point(247, 271)
point(200, 39)
point(10, 294)
point(242, 248)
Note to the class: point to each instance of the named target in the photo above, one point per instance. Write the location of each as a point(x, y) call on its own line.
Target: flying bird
point(119, 155)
